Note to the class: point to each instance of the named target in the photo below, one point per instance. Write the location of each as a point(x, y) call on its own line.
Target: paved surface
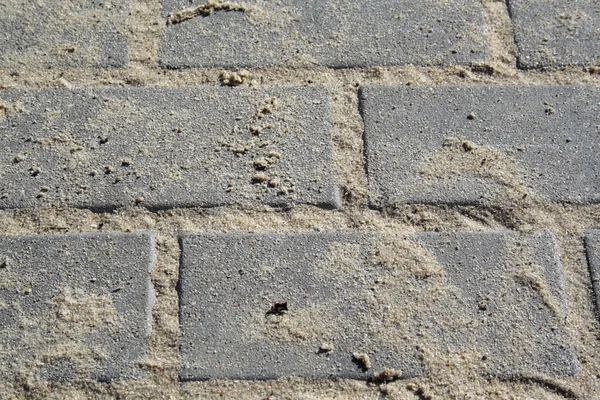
point(556, 33)
point(58, 34)
point(165, 148)
point(336, 34)
point(262, 306)
point(592, 247)
point(72, 297)
point(324, 304)
point(474, 145)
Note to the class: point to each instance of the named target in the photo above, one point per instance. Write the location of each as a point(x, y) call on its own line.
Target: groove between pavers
point(75, 306)
point(476, 145)
point(592, 248)
point(393, 298)
point(164, 148)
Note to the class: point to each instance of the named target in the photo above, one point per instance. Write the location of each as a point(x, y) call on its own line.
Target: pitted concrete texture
point(165, 148)
point(556, 33)
point(592, 248)
point(477, 145)
point(338, 34)
point(343, 305)
point(76, 305)
point(59, 34)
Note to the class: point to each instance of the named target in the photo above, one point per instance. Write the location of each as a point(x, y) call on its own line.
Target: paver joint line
point(592, 247)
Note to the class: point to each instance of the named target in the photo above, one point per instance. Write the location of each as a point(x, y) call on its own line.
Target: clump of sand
point(204, 10)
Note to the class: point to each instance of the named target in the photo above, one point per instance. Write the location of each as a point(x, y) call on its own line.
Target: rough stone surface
point(476, 145)
point(556, 33)
point(592, 247)
point(75, 305)
point(163, 148)
point(338, 34)
point(57, 34)
point(262, 306)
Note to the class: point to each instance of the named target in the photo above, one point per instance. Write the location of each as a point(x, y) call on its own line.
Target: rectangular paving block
point(338, 34)
point(348, 305)
point(75, 306)
point(59, 34)
point(556, 33)
point(163, 148)
point(592, 248)
point(475, 145)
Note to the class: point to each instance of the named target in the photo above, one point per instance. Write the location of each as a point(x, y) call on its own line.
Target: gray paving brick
point(61, 34)
point(475, 145)
point(163, 148)
point(391, 298)
point(592, 247)
point(556, 33)
point(336, 34)
point(76, 305)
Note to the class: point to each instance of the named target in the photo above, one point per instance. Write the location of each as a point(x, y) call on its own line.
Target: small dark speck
point(278, 308)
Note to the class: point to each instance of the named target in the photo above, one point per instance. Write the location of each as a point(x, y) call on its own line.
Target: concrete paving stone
point(60, 34)
point(346, 305)
point(338, 34)
point(592, 247)
point(163, 148)
point(475, 145)
point(76, 305)
point(556, 33)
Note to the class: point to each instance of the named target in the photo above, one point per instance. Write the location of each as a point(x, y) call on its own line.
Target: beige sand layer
point(451, 375)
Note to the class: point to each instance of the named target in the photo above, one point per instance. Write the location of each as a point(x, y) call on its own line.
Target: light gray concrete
point(163, 148)
point(497, 293)
point(516, 141)
point(76, 305)
point(338, 34)
point(59, 34)
point(556, 33)
point(592, 248)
